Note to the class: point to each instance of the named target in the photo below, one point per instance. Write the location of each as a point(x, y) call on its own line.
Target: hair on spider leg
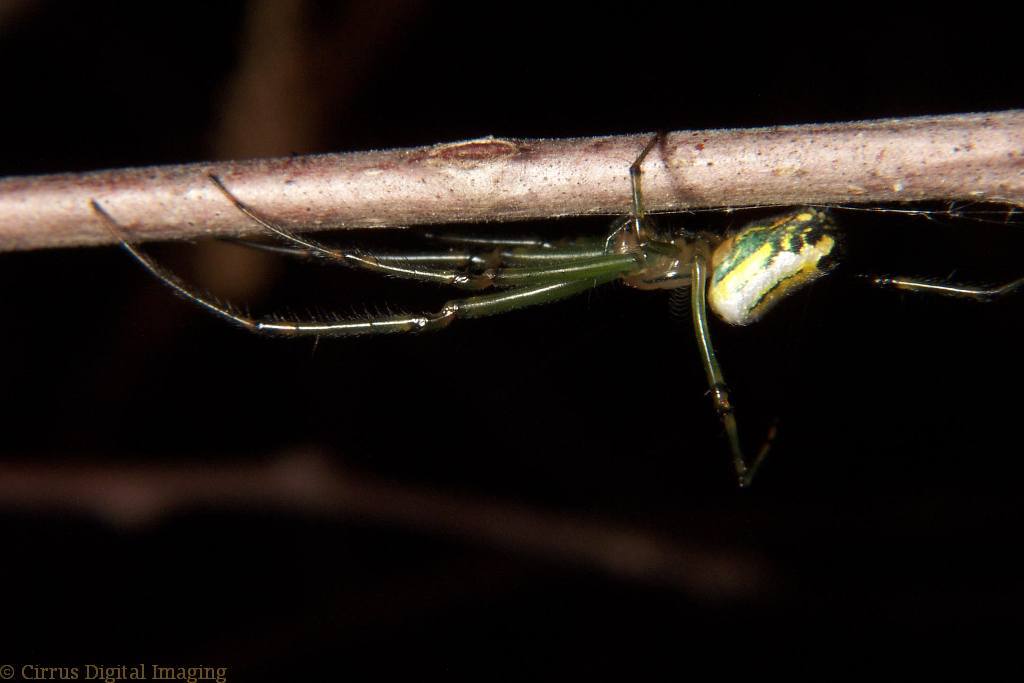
point(679, 308)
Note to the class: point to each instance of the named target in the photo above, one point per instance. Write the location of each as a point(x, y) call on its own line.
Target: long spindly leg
point(439, 259)
point(635, 171)
point(354, 257)
point(578, 260)
point(571, 265)
point(514, 251)
point(486, 241)
point(470, 307)
point(478, 306)
point(947, 288)
point(716, 380)
point(556, 253)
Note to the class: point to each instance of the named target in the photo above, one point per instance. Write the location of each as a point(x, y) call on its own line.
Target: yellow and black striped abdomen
point(767, 260)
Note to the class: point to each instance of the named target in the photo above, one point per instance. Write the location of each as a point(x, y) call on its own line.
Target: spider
point(740, 276)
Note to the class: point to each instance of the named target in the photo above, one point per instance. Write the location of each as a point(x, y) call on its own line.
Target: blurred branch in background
point(975, 157)
point(308, 483)
point(297, 72)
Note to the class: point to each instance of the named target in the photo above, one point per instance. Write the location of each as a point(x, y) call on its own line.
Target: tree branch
point(308, 483)
point(970, 156)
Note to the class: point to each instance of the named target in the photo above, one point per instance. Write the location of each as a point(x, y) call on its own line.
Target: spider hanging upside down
point(750, 271)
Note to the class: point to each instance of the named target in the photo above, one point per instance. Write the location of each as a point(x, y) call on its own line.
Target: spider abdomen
point(765, 261)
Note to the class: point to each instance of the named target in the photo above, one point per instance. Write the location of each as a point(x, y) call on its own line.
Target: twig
point(971, 156)
point(308, 483)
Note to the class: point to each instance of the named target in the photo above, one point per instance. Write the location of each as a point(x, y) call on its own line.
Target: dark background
point(885, 522)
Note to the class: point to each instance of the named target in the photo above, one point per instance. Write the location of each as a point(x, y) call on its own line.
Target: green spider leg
point(699, 267)
point(639, 215)
point(983, 294)
point(516, 251)
point(443, 259)
point(533, 287)
point(514, 254)
point(569, 262)
point(716, 380)
point(354, 258)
